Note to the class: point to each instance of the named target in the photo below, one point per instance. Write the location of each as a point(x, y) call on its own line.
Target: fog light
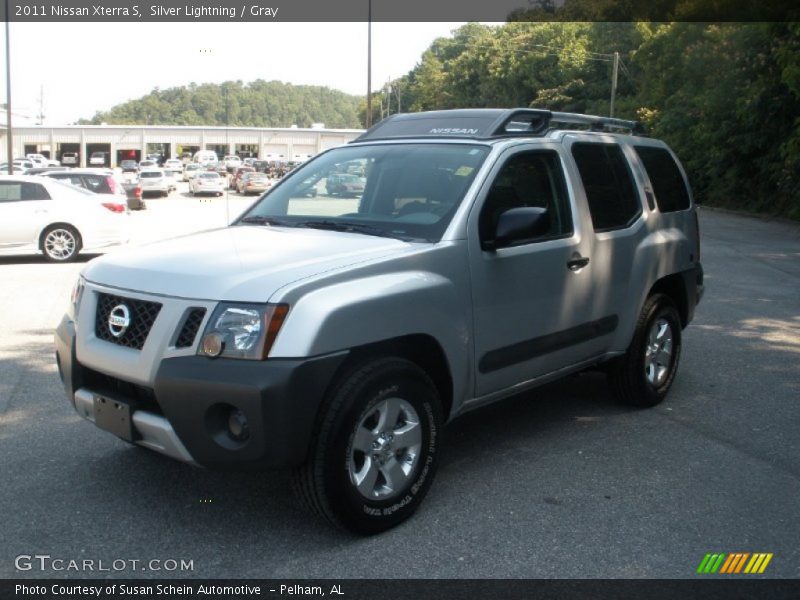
point(238, 428)
point(212, 345)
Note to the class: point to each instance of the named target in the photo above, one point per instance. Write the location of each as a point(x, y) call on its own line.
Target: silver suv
point(490, 251)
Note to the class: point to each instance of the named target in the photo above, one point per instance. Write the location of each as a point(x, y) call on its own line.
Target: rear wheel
point(376, 447)
point(643, 376)
point(60, 243)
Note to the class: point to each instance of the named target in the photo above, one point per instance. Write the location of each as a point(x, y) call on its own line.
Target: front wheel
point(60, 243)
point(642, 377)
point(376, 447)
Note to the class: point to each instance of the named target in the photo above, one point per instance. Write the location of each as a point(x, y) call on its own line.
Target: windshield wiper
point(260, 220)
point(346, 226)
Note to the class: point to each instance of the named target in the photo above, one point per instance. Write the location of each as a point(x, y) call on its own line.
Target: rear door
point(613, 193)
point(24, 208)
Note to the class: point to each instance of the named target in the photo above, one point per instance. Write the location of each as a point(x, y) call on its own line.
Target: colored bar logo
point(734, 562)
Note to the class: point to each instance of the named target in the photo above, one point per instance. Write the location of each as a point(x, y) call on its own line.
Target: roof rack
point(597, 123)
point(489, 123)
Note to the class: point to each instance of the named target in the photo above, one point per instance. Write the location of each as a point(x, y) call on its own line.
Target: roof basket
point(489, 123)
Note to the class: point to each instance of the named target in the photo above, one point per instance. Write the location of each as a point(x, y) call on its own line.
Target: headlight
point(242, 330)
point(75, 297)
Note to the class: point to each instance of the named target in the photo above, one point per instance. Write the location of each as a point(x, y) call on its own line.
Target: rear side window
point(665, 176)
point(609, 186)
point(97, 184)
point(34, 191)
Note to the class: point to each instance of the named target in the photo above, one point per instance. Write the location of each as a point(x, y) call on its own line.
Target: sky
point(86, 67)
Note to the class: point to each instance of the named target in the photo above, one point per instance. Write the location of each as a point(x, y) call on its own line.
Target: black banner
point(403, 589)
point(397, 11)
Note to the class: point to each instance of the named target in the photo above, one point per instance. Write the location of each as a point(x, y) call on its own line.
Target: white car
point(70, 158)
point(147, 164)
point(174, 165)
point(232, 162)
point(190, 170)
point(97, 159)
point(206, 158)
point(207, 182)
point(42, 161)
point(42, 215)
point(155, 180)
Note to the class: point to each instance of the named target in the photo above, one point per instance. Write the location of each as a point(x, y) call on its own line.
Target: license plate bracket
point(114, 416)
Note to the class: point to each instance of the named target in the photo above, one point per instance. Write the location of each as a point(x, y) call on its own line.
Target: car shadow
point(34, 259)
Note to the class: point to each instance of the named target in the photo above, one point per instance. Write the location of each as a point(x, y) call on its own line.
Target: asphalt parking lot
point(560, 482)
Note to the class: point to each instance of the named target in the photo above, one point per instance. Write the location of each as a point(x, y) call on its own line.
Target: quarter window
point(10, 191)
point(665, 177)
point(609, 185)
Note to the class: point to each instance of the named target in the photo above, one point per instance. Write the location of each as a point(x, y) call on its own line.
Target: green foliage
point(256, 104)
point(726, 97)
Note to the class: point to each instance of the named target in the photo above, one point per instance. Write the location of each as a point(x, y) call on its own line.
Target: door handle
point(576, 264)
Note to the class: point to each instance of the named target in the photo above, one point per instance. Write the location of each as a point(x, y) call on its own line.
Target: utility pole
point(9, 131)
point(614, 74)
point(369, 63)
point(40, 116)
point(397, 89)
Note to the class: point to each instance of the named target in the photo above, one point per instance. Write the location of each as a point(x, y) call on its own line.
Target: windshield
point(408, 191)
point(150, 174)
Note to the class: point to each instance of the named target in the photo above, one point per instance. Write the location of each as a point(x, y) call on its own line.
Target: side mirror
point(519, 224)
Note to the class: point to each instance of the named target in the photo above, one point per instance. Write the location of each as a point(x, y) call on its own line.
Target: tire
point(395, 479)
point(643, 376)
point(60, 243)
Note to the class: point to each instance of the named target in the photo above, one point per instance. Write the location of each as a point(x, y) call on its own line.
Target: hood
point(239, 264)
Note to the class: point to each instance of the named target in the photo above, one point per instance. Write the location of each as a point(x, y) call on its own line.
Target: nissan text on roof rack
point(488, 252)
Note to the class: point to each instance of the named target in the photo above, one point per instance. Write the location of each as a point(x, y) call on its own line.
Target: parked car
point(174, 165)
point(70, 158)
point(248, 162)
point(42, 161)
point(99, 181)
point(133, 193)
point(156, 181)
point(18, 170)
point(493, 251)
point(237, 175)
point(232, 162)
point(206, 158)
point(172, 179)
point(253, 183)
point(129, 166)
point(344, 184)
point(147, 164)
point(24, 163)
point(207, 182)
point(97, 159)
point(40, 170)
point(42, 215)
point(190, 170)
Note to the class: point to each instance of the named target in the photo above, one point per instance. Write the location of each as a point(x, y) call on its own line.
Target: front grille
point(190, 328)
point(142, 316)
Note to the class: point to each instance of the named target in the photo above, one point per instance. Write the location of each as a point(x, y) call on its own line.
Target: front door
point(533, 301)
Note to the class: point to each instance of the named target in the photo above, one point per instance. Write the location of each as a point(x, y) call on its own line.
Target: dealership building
point(123, 142)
